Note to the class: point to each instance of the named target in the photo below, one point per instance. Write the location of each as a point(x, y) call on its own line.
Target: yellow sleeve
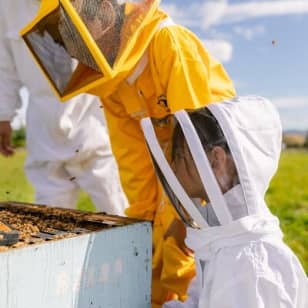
point(185, 72)
point(135, 166)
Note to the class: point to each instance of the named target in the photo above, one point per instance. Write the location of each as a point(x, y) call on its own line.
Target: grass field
point(287, 195)
point(288, 199)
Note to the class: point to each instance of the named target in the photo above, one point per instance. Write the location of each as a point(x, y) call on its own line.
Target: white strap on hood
point(164, 166)
point(204, 168)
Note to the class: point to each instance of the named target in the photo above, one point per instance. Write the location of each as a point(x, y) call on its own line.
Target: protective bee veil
point(82, 43)
point(190, 176)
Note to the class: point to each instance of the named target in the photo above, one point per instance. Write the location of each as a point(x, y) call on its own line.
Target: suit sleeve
point(186, 72)
point(255, 291)
point(192, 297)
point(9, 80)
point(135, 166)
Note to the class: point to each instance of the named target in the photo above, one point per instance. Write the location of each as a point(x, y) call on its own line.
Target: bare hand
point(5, 138)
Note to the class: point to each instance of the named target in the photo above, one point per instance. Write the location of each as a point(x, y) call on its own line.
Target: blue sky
point(262, 44)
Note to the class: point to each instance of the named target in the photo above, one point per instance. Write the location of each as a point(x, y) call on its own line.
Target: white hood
point(253, 131)
point(252, 128)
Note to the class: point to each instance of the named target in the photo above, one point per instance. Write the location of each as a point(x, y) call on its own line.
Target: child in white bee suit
point(68, 146)
point(225, 155)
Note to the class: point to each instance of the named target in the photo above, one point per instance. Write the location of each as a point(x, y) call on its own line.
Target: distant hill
point(295, 132)
point(295, 138)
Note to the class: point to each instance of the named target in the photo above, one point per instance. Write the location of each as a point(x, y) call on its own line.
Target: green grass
point(13, 184)
point(287, 195)
point(288, 199)
point(15, 187)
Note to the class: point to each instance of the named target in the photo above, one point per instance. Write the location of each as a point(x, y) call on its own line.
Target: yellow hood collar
point(140, 42)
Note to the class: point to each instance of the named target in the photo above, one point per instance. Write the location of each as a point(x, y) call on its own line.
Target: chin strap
point(204, 168)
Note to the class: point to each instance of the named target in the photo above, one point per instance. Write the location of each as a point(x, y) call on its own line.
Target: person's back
point(64, 141)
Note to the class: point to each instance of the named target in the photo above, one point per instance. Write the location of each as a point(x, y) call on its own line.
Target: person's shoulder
point(173, 32)
point(174, 39)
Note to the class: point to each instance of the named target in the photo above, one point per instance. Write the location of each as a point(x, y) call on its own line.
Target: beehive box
point(100, 261)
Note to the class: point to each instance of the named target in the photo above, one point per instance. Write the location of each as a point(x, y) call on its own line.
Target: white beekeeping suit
point(67, 144)
point(241, 259)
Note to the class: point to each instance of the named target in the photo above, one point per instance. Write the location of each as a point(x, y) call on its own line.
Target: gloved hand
point(57, 62)
point(177, 230)
point(5, 138)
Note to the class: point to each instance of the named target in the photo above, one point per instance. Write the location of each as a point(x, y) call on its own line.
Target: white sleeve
point(9, 80)
point(254, 290)
point(192, 300)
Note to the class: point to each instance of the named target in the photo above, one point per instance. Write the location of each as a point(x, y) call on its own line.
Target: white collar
point(205, 242)
point(235, 201)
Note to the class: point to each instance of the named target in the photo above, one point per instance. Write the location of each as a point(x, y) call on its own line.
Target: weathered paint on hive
point(106, 269)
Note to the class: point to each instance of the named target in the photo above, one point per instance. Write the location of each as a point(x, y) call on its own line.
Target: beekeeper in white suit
point(67, 144)
point(226, 155)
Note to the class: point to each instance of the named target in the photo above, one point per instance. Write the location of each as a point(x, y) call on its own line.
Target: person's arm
point(5, 138)
point(185, 71)
point(192, 297)
point(135, 166)
point(177, 230)
point(255, 290)
point(9, 91)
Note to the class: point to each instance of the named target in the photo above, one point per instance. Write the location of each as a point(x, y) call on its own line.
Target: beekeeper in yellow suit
point(140, 63)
